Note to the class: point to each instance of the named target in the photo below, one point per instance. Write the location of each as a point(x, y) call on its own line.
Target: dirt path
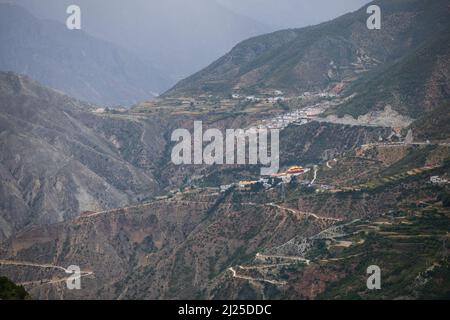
point(269, 256)
point(31, 264)
point(316, 168)
point(235, 275)
point(140, 206)
point(45, 266)
point(54, 281)
point(304, 214)
point(340, 259)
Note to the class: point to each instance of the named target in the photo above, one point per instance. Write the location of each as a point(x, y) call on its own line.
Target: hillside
point(58, 158)
point(10, 291)
point(253, 244)
point(434, 125)
point(320, 57)
point(178, 37)
point(73, 61)
point(96, 187)
point(414, 85)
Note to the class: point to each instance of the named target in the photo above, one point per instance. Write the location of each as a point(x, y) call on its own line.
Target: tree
point(10, 291)
point(445, 198)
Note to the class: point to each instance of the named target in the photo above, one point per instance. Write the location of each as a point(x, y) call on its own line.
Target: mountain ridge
point(59, 158)
point(170, 34)
point(318, 57)
point(72, 61)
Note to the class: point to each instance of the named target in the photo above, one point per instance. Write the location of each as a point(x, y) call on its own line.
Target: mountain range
point(332, 54)
point(59, 159)
point(96, 187)
point(73, 61)
point(176, 36)
point(292, 13)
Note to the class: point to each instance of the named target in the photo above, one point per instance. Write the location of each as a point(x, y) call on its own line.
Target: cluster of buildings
point(268, 182)
point(297, 117)
point(276, 97)
point(286, 177)
point(294, 170)
point(438, 180)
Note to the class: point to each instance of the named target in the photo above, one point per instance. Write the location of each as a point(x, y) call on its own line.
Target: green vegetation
point(402, 84)
point(445, 198)
point(410, 254)
point(10, 291)
point(434, 125)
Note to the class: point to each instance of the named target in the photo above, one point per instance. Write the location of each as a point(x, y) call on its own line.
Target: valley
point(363, 179)
point(277, 258)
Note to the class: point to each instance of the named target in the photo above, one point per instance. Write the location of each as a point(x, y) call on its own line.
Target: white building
point(252, 99)
point(99, 110)
point(224, 188)
point(278, 92)
point(438, 180)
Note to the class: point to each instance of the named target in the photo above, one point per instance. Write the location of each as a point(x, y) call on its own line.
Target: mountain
point(179, 37)
point(97, 188)
point(10, 291)
point(434, 124)
point(414, 85)
point(252, 245)
point(292, 13)
point(77, 188)
point(322, 57)
point(72, 61)
point(59, 158)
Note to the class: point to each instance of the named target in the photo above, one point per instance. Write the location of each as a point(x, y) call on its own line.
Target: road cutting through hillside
point(31, 264)
point(328, 163)
point(316, 168)
point(141, 206)
point(268, 266)
point(303, 214)
point(269, 256)
point(55, 281)
point(340, 259)
point(44, 266)
point(403, 144)
point(235, 275)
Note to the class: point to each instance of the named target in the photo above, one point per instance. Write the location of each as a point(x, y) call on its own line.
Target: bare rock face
point(385, 118)
point(164, 249)
point(78, 184)
point(57, 158)
point(84, 67)
point(323, 56)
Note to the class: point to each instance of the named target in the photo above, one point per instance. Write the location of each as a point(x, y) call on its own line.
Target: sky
point(292, 13)
point(180, 37)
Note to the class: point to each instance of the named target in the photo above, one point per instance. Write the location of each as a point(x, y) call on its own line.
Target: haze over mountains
point(178, 36)
point(97, 188)
point(155, 43)
point(59, 159)
point(331, 54)
point(286, 14)
point(73, 61)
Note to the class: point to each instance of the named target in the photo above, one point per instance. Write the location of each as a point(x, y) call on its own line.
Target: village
point(263, 183)
point(301, 110)
point(264, 103)
point(270, 181)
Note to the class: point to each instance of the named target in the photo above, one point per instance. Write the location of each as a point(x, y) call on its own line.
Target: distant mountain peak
point(72, 61)
point(298, 60)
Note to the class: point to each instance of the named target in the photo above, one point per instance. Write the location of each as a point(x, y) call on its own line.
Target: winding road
point(235, 275)
point(45, 266)
point(304, 214)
